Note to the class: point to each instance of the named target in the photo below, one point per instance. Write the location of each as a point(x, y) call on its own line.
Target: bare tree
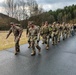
point(8, 6)
point(22, 9)
point(33, 7)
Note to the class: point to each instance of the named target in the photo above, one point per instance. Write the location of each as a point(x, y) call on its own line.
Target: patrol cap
point(54, 22)
point(11, 23)
point(18, 24)
point(63, 23)
point(31, 23)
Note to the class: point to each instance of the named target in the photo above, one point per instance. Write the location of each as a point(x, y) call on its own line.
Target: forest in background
point(67, 14)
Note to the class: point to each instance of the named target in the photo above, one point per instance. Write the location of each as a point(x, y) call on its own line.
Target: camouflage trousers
point(46, 39)
point(29, 42)
point(54, 38)
point(34, 42)
point(68, 34)
point(17, 47)
point(64, 34)
point(59, 35)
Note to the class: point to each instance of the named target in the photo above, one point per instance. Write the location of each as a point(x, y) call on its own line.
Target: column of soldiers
point(54, 31)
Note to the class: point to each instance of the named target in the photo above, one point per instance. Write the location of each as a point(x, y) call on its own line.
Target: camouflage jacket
point(17, 31)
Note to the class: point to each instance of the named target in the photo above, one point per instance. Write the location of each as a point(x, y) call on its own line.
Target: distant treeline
point(68, 14)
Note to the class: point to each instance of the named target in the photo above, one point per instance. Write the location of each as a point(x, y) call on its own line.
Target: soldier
point(34, 34)
point(69, 27)
point(46, 35)
point(63, 30)
point(59, 32)
point(54, 34)
point(17, 31)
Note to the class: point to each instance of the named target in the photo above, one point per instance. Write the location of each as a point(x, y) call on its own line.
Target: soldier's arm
point(10, 31)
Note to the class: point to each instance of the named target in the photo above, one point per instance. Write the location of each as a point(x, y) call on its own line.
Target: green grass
point(8, 43)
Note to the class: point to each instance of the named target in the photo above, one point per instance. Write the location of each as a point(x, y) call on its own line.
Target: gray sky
point(47, 4)
point(55, 4)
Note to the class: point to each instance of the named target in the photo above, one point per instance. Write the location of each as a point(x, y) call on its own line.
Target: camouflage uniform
point(45, 34)
point(54, 34)
point(17, 31)
point(34, 38)
point(69, 30)
point(64, 31)
point(60, 32)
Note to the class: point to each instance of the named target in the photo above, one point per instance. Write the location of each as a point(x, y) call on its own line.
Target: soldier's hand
point(19, 38)
point(6, 37)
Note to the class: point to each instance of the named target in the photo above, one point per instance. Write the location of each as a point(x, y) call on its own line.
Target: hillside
point(68, 14)
point(4, 21)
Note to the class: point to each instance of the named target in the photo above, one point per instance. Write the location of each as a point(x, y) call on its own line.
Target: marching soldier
point(69, 30)
point(34, 38)
point(59, 32)
point(46, 35)
point(44, 32)
point(17, 31)
point(63, 30)
point(54, 34)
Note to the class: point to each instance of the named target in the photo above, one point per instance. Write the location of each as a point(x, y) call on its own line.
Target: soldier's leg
point(33, 48)
point(44, 41)
point(37, 46)
point(29, 42)
point(17, 46)
point(55, 39)
point(67, 34)
point(52, 38)
point(47, 43)
point(59, 37)
point(63, 35)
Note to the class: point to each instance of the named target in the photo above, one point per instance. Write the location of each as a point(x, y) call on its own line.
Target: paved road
point(58, 60)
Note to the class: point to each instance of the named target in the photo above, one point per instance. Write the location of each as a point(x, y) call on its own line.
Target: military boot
point(16, 52)
point(52, 42)
point(33, 53)
point(47, 47)
point(29, 46)
point(39, 49)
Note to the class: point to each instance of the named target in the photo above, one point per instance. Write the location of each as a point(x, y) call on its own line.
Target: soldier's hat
point(54, 22)
point(31, 22)
point(11, 23)
point(63, 23)
point(18, 24)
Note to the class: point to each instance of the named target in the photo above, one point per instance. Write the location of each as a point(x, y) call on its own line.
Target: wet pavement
point(58, 60)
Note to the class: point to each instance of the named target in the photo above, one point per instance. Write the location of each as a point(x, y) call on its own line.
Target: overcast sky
point(55, 4)
point(47, 4)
